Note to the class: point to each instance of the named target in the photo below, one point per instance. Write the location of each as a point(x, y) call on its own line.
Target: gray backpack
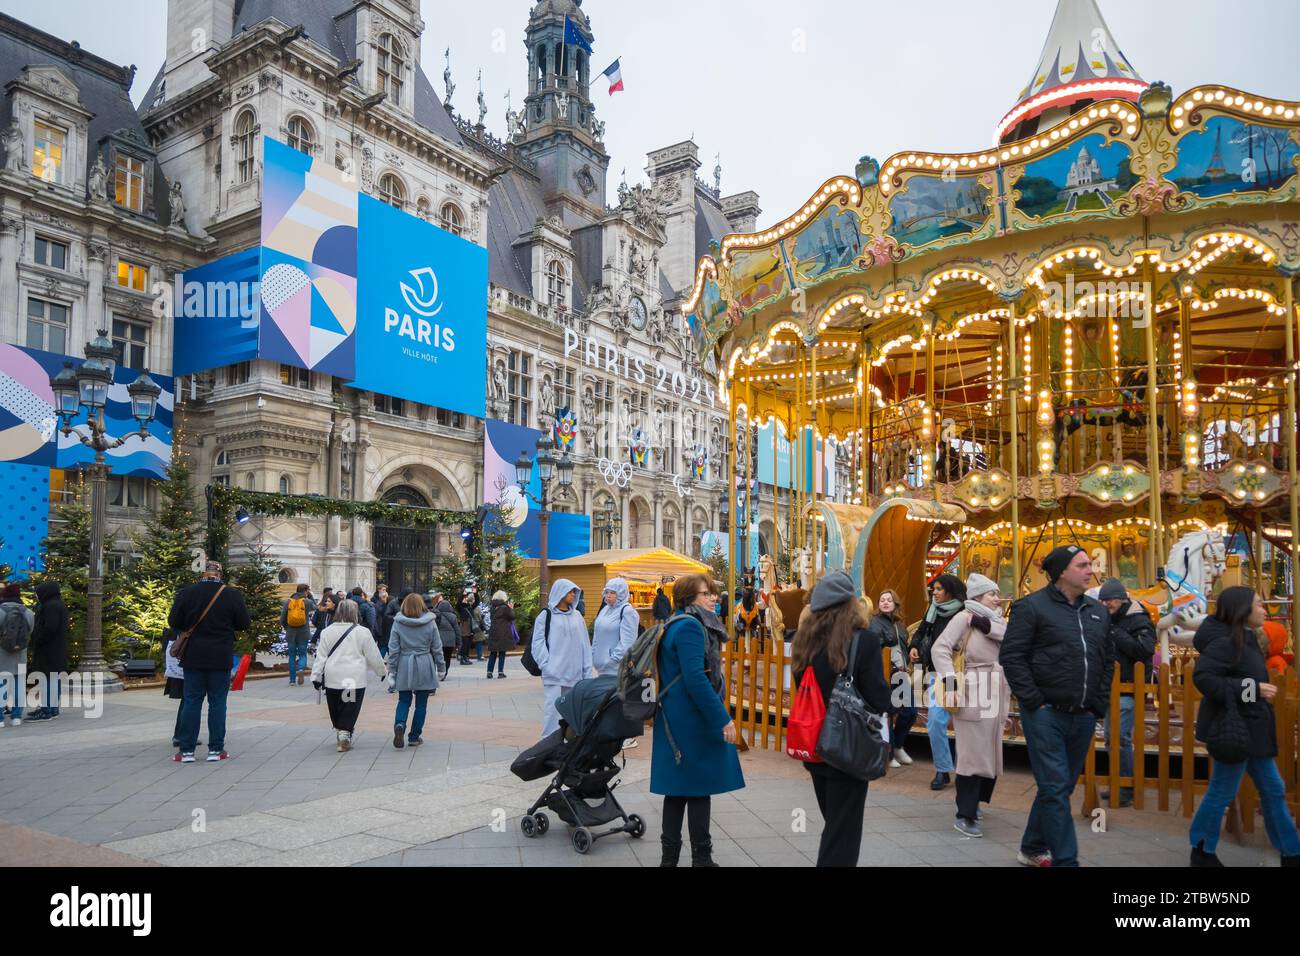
point(15, 632)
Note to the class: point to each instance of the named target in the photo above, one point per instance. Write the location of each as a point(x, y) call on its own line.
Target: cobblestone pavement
point(77, 791)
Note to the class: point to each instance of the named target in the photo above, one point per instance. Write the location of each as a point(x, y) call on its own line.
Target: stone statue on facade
point(717, 173)
point(499, 382)
point(446, 79)
point(482, 103)
point(177, 201)
point(13, 144)
point(548, 400)
point(562, 104)
point(98, 189)
point(597, 128)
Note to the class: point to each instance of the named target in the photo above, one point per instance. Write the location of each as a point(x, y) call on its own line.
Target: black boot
point(702, 853)
point(939, 782)
point(1201, 858)
point(672, 850)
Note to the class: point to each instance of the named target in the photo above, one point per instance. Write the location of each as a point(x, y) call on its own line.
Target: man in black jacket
point(1134, 637)
point(1058, 658)
point(209, 657)
point(49, 646)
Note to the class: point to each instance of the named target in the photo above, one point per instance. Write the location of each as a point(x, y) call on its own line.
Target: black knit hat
point(1056, 562)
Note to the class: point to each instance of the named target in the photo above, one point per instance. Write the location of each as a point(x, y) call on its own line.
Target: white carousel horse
point(1196, 562)
point(1100, 563)
point(767, 572)
point(804, 566)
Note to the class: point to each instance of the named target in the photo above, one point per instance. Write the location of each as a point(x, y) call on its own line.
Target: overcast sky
point(790, 93)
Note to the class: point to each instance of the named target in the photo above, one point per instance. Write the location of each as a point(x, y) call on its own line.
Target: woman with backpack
point(887, 625)
point(412, 667)
point(695, 738)
point(1231, 673)
point(825, 642)
point(346, 651)
point(977, 696)
point(947, 600)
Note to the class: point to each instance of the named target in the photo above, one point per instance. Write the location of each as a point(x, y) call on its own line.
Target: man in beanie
point(1058, 658)
point(1134, 637)
point(16, 624)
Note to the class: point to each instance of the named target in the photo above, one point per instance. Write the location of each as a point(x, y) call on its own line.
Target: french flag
point(614, 74)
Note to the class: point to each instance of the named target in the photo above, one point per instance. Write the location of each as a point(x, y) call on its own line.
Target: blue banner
point(569, 535)
point(421, 311)
point(217, 311)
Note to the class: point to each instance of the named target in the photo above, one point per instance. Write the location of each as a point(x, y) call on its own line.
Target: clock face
point(638, 314)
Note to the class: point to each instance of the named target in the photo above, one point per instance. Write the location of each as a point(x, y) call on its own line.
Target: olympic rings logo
point(614, 473)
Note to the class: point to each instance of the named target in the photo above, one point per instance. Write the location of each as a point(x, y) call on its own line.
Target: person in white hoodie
point(561, 648)
point(345, 651)
point(616, 627)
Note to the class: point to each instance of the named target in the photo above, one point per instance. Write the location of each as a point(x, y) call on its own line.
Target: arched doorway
point(641, 534)
point(405, 557)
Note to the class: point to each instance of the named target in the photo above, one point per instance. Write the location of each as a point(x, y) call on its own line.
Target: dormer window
point(392, 67)
point(47, 152)
point(128, 186)
point(556, 284)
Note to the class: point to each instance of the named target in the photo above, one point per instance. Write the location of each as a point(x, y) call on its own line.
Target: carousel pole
point(1290, 430)
point(733, 529)
point(815, 543)
point(1156, 538)
point(928, 457)
point(1013, 396)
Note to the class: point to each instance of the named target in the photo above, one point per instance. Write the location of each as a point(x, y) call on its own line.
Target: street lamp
point(613, 524)
point(87, 388)
point(547, 469)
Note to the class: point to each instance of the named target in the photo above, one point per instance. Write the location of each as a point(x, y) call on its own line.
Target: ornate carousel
point(1085, 334)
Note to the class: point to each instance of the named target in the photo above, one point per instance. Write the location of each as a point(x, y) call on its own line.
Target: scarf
point(983, 616)
point(715, 633)
point(949, 608)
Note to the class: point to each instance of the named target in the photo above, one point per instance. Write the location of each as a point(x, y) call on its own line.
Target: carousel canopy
point(1080, 61)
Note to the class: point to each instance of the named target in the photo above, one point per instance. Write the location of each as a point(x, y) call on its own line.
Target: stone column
point(11, 225)
point(656, 538)
point(96, 259)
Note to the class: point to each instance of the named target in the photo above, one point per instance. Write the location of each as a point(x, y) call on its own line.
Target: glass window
point(295, 377)
point(126, 492)
point(239, 373)
point(47, 325)
point(245, 162)
point(132, 275)
point(284, 484)
point(51, 253)
point(390, 406)
point(47, 152)
point(450, 419)
point(301, 136)
point(392, 67)
point(452, 219)
point(222, 480)
point(391, 191)
point(131, 340)
point(556, 284)
point(129, 183)
point(519, 387)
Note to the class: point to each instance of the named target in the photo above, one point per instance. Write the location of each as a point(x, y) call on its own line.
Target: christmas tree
point(452, 577)
point(65, 556)
point(499, 565)
point(173, 529)
point(258, 580)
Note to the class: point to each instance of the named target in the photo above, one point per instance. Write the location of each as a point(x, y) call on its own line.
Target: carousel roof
point(1080, 60)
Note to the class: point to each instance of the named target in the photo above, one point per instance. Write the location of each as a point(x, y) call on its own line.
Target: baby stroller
point(581, 755)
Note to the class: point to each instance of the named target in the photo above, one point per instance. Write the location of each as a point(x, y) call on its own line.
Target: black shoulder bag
point(853, 739)
point(1227, 738)
point(530, 662)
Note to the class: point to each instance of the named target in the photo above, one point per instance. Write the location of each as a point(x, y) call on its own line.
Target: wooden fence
point(760, 689)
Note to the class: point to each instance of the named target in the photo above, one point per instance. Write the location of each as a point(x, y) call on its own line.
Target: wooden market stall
point(644, 569)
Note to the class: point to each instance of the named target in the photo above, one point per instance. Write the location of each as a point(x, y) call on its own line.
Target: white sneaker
point(17, 721)
point(629, 743)
point(901, 756)
point(895, 765)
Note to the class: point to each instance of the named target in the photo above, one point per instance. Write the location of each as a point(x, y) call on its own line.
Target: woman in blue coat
point(695, 739)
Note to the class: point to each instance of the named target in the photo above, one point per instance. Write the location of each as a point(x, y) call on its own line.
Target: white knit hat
point(977, 585)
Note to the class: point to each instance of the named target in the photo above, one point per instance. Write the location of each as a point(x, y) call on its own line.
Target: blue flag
point(573, 38)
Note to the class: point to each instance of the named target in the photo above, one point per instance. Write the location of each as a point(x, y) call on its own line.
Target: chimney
point(195, 29)
point(742, 211)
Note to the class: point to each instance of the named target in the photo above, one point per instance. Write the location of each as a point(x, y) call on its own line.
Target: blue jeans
point(903, 722)
point(1225, 781)
point(1126, 715)
point(1058, 745)
point(404, 709)
point(497, 659)
point(214, 685)
point(936, 725)
point(297, 648)
point(51, 705)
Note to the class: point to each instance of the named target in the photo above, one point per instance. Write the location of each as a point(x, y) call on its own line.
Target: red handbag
point(806, 718)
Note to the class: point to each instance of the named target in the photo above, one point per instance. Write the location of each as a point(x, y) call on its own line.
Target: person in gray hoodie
point(616, 627)
point(412, 671)
point(561, 648)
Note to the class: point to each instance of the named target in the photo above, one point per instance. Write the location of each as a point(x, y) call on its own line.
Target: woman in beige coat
point(981, 704)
